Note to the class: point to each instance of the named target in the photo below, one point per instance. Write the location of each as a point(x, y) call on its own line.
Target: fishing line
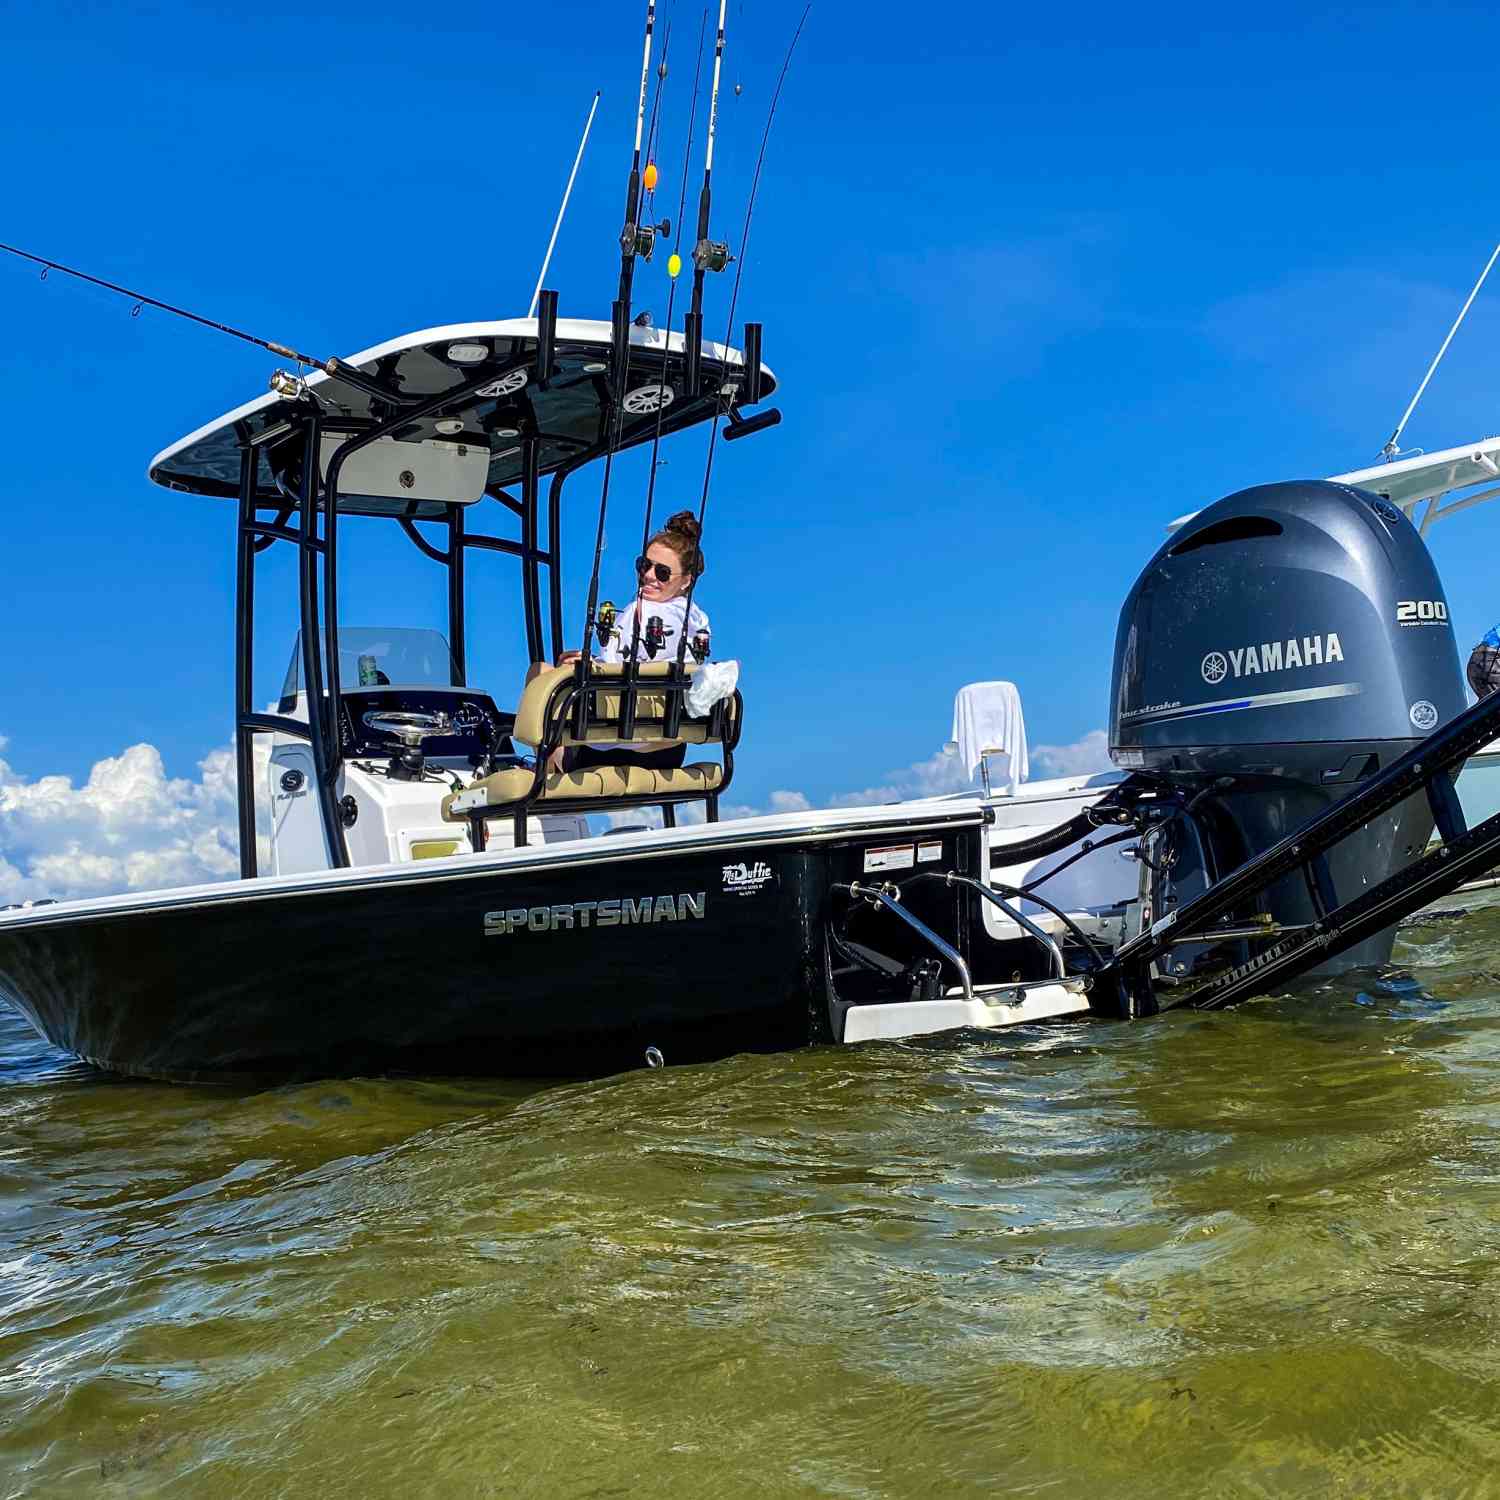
point(721, 398)
point(140, 299)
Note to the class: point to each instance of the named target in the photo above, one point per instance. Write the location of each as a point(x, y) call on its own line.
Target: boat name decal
point(627, 911)
point(1272, 656)
point(744, 879)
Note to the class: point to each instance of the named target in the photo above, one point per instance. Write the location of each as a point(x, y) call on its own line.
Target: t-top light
point(595, 367)
point(449, 425)
point(468, 354)
point(504, 432)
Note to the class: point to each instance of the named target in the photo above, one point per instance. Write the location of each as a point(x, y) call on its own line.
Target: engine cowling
point(1284, 644)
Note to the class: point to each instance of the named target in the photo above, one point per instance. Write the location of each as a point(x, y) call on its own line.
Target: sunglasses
point(661, 571)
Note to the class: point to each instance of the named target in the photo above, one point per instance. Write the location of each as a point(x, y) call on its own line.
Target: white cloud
point(1090, 753)
point(789, 802)
point(129, 827)
point(939, 774)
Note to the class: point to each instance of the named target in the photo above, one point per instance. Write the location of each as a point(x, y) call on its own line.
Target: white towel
point(987, 717)
point(712, 681)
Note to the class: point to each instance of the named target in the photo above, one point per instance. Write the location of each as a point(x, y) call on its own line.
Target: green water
point(1245, 1254)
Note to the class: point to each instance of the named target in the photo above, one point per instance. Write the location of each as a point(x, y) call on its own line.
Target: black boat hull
point(562, 967)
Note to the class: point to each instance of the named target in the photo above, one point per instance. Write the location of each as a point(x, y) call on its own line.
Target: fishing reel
point(291, 387)
point(604, 621)
point(655, 636)
point(640, 239)
point(699, 647)
point(711, 255)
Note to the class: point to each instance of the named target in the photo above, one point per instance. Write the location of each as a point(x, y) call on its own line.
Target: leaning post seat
point(593, 703)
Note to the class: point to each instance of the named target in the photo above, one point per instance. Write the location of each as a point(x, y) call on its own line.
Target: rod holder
point(753, 373)
point(692, 345)
point(546, 336)
point(619, 350)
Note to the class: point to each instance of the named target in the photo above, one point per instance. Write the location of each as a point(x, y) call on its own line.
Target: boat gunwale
point(771, 830)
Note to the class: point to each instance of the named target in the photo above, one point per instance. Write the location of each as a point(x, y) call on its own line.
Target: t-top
point(659, 634)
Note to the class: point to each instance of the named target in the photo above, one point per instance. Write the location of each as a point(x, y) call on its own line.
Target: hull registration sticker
point(892, 857)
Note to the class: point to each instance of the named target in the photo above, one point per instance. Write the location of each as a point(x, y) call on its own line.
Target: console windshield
point(371, 656)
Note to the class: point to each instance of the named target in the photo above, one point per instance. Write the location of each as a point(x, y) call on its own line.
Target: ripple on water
point(1251, 1252)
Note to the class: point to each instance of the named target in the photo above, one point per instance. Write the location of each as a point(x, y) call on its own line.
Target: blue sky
point(1034, 282)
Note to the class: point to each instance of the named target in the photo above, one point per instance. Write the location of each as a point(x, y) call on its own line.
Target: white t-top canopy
point(1434, 477)
point(568, 413)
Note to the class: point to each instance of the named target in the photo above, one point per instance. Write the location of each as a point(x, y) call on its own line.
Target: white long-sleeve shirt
point(670, 613)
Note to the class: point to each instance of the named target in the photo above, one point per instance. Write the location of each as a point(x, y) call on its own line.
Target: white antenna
point(1391, 449)
point(567, 193)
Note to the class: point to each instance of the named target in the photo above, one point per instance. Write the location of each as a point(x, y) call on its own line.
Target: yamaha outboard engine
point(1284, 644)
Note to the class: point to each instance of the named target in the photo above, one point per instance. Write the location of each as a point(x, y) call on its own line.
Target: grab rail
point(1022, 921)
point(889, 897)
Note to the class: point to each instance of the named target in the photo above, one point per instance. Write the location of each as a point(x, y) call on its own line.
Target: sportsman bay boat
point(436, 900)
point(440, 900)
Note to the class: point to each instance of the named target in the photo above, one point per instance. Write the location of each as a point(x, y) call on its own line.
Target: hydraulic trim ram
point(1461, 854)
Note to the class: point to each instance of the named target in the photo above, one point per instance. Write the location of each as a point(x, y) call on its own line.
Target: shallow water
point(1255, 1253)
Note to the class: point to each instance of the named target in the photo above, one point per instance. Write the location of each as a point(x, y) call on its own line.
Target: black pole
point(312, 666)
point(457, 637)
point(546, 337)
point(244, 661)
point(753, 374)
point(554, 553)
point(530, 572)
point(332, 748)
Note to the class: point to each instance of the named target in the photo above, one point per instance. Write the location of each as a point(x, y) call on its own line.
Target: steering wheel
point(410, 728)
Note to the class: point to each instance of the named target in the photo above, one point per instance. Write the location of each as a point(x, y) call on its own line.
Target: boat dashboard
point(480, 730)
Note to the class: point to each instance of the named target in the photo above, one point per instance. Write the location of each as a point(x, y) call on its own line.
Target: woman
point(652, 628)
point(653, 625)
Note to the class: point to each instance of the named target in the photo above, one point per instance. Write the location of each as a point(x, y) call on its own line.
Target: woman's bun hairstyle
point(681, 534)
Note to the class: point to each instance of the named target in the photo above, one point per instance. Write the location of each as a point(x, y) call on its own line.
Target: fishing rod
point(630, 248)
point(140, 299)
point(724, 399)
point(674, 267)
point(708, 255)
point(292, 387)
point(588, 125)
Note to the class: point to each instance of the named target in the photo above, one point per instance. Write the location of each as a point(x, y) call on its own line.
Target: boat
point(440, 897)
point(434, 900)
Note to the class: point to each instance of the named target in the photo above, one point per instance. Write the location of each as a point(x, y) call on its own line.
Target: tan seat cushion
point(650, 708)
point(643, 782)
point(635, 782)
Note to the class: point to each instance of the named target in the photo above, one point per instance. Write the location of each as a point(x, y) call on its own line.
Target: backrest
point(604, 708)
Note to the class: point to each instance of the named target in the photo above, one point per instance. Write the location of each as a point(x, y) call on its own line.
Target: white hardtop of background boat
point(569, 331)
point(1429, 476)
